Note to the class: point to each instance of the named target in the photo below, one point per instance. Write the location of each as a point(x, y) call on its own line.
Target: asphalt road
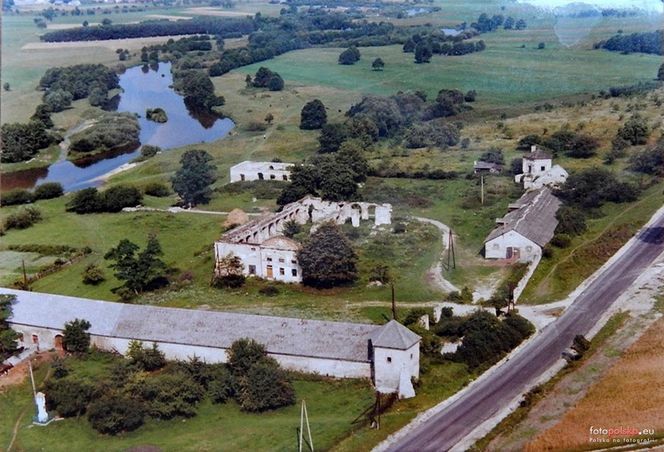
point(483, 400)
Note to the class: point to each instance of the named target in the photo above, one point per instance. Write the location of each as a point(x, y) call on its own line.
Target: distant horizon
point(648, 5)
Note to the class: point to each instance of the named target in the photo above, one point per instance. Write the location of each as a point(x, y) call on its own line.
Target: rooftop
point(280, 335)
point(537, 154)
point(394, 335)
point(258, 166)
point(534, 217)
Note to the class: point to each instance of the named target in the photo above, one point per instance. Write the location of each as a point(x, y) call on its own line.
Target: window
point(271, 167)
point(253, 248)
point(389, 360)
point(252, 269)
point(294, 272)
point(272, 177)
point(241, 176)
point(543, 168)
point(294, 262)
point(269, 259)
point(411, 356)
point(282, 271)
point(281, 259)
point(284, 177)
point(35, 339)
point(260, 176)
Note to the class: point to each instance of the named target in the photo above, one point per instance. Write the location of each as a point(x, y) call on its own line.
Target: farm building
point(249, 171)
point(525, 229)
point(266, 253)
point(538, 170)
point(480, 167)
point(388, 354)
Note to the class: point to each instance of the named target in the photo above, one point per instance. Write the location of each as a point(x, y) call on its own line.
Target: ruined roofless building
point(266, 253)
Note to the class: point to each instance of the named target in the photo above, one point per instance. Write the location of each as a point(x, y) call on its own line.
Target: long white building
point(249, 170)
point(387, 354)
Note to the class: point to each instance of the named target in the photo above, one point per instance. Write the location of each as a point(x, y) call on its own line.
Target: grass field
point(332, 406)
point(629, 395)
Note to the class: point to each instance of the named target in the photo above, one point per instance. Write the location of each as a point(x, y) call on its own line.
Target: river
point(142, 88)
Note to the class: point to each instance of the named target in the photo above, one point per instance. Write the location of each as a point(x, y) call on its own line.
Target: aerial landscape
point(344, 225)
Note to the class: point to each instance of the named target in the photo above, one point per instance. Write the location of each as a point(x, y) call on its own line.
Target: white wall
point(249, 171)
point(388, 364)
point(255, 255)
point(536, 167)
point(497, 248)
point(326, 367)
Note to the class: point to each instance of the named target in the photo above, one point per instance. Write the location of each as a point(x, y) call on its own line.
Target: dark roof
point(534, 217)
point(481, 164)
point(280, 335)
point(537, 154)
point(394, 335)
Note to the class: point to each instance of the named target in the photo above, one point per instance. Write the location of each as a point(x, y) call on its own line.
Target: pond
point(142, 88)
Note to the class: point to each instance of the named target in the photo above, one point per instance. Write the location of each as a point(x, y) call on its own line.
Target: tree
point(8, 337)
point(509, 23)
point(269, 118)
point(22, 141)
point(351, 156)
point(327, 258)
point(85, 201)
point(349, 56)
point(660, 73)
point(409, 46)
point(336, 181)
point(331, 137)
point(75, 337)
point(192, 181)
point(248, 82)
point(378, 64)
point(291, 228)
point(313, 115)
point(118, 197)
point(526, 142)
point(146, 359)
point(265, 387)
point(243, 354)
point(6, 86)
point(541, 45)
point(48, 190)
point(229, 272)
point(423, 52)
point(635, 131)
point(137, 270)
point(276, 83)
point(520, 24)
point(262, 77)
point(114, 413)
point(58, 100)
point(68, 396)
point(171, 395)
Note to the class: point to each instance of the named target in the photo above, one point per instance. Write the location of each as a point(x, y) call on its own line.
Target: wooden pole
point(32, 379)
point(394, 303)
point(482, 188)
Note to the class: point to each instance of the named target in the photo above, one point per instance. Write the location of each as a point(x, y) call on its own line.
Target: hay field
point(631, 394)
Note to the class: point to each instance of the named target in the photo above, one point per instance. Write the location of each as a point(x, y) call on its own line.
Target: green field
point(504, 74)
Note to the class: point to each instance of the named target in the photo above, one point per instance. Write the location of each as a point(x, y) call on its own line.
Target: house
point(266, 253)
point(388, 354)
point(538, 170)
point(525, 229)
point(486, 167)
point(249, 171)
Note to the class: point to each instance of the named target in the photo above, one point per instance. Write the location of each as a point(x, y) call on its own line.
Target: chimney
point(533, 148)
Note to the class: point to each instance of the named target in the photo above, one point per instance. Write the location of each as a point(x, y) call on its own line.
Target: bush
point(171, 395)
point(222, 386)
point(265, 387)
point(399, 228)
point(243, 354)
point(113, 414)
point(120, 196)
point(15, 197)
point(93, 275)
point(255, 126)
point(269, 291)
point(561, 240)
point(68, 396)
point(147, 151)
point(49, 190)
point(85, 201)
point(75, 337)
point(156, 189)
point(60, 369)
point(147, 359)
point(23, 218)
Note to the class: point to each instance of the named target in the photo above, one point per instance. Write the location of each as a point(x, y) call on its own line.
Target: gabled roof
point(195, 327)
point(281, 242)
point(537, 154)
point(534, 217)
point(394, 335)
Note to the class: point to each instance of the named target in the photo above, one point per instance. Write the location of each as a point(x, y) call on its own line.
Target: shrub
point(561, 240)
point(120, 196)
point(171, 395)
point(85, 201)
point(222, 386)
point(113, 414)
point(68, 396)
point(75, 337)
point(49, 190)
point(93, 275)
point(265, 387)
point(269, 291)
point(255, 126)
point(415, 314)
point(60, 369)
point(399, 228)
point(229, 273)
point(147, 151)
point(23, 218)
point(243, 354)
point(147, 359)
point(156, 189)
point(15, 197)
point(291, 228)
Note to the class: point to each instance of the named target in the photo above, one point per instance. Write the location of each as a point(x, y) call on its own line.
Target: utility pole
point(25, 277)
point(32, 379)
point(482, 188)
point(451, 255)
point(304, 417)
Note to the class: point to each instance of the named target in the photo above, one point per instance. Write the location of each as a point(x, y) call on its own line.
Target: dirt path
point(434, 275)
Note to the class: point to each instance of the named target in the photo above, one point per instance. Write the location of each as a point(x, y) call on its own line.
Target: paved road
point(445, 429)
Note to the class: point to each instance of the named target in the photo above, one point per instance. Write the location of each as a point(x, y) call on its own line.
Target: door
point(509, 252)
point(58, 342)
point(269, 271)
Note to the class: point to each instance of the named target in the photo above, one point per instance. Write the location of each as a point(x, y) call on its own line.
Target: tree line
point(644, 42)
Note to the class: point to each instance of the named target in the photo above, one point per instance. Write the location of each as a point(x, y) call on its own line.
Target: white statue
point(40, 400)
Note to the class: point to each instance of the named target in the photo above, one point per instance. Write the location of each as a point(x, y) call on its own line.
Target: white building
point(249, 171)
point(386, 354)
point(525, 229)
point(266, 253)
point(538, 170)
